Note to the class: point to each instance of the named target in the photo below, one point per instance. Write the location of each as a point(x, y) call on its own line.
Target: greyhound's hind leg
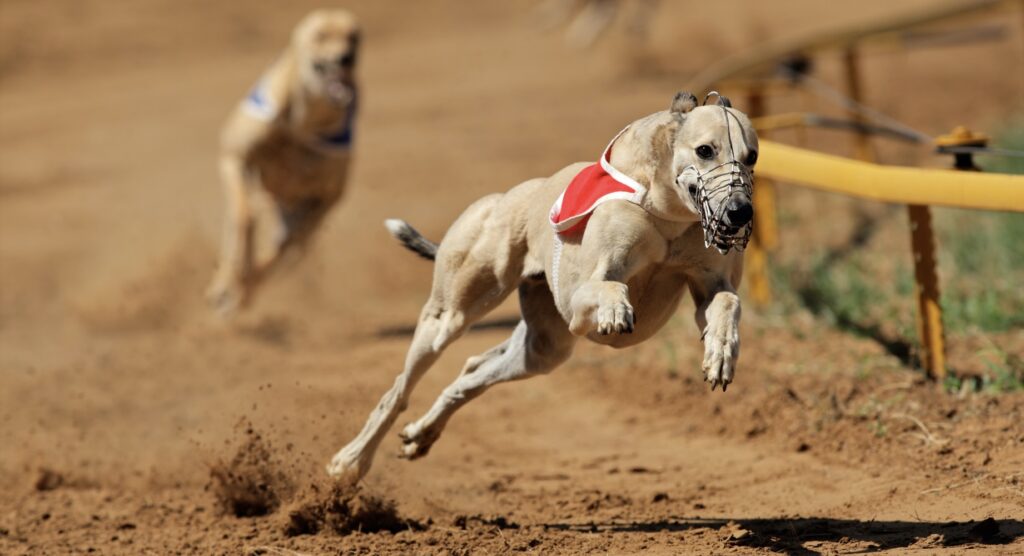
point(539, 343)
point(433, 334)
point(458, 301)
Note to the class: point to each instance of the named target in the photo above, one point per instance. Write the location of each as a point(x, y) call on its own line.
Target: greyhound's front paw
point(416, 441)
point(602, 307)
point(721, 350)
point(615, 318)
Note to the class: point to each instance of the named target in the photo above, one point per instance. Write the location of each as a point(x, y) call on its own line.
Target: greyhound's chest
point(291, 170)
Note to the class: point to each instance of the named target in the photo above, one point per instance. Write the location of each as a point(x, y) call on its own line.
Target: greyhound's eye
point(705, 152)
point(751, 158)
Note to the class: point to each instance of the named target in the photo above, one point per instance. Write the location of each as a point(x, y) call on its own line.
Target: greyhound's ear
point(683, 102)
point(723, 101)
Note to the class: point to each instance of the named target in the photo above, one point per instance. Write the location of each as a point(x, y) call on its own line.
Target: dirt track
point(115, 381)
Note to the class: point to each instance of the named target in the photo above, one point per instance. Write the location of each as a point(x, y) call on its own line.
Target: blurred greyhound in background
point(289, 140)
point(603, 251)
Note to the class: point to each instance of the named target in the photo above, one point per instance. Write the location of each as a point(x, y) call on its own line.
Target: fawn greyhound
point(603, 251)
point(289, 139)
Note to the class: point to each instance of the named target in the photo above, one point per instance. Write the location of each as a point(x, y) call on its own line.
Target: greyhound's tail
point(411, 239)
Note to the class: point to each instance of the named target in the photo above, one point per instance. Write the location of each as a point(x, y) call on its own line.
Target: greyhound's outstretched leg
point(540, 342)
point(436, 329)
point(467, 286)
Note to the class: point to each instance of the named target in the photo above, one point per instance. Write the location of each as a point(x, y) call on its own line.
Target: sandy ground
point(124, 405)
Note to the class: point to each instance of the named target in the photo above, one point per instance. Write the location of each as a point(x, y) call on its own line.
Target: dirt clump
point(470, 521)
point(252, 483)
point(48, 479)
point(328, 506)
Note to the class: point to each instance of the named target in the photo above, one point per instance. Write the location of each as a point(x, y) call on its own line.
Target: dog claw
point(615, 319)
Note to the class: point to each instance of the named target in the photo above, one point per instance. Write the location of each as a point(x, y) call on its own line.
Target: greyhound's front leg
point(718, 316)
point(618, 243)
point(229, 289)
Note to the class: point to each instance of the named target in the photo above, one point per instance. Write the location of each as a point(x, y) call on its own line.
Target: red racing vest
point(592, 186)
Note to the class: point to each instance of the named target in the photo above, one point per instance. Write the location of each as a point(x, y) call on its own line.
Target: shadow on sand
point(792, 535)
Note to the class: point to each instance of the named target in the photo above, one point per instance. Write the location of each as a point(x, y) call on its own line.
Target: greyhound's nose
point(347, 60)
point(738, 211)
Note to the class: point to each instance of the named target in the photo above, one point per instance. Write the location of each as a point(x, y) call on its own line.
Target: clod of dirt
point(660, 497)
point(931, 541)
point(737, 534)
point(341, 509)
point(639, 469)
point(608, 500)
point(48, 479)
point(251, 484)
point(469, 521)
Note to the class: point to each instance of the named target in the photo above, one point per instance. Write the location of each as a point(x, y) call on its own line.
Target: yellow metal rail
point(891, 184)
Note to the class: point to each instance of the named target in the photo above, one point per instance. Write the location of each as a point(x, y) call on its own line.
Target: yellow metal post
point(929, 320)
point(854, 91)
point(765, 236)
point(922, 241)
point(929, 312)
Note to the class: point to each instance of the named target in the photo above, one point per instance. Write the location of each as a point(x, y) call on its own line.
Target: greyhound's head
point(698, 162)
point(713, 157)
point(326, 44)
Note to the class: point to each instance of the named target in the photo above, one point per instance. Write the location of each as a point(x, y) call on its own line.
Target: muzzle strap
point(721, 183)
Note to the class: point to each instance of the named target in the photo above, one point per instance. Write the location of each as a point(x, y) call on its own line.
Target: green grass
point(1005, 374)
point(848, 295)
point(981, 268)
point(981, 255)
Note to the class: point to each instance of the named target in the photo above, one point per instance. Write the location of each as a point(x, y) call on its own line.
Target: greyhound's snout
point(347, 60)
point(738, 211)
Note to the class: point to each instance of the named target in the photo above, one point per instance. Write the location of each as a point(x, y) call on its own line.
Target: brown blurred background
point(114, 376)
